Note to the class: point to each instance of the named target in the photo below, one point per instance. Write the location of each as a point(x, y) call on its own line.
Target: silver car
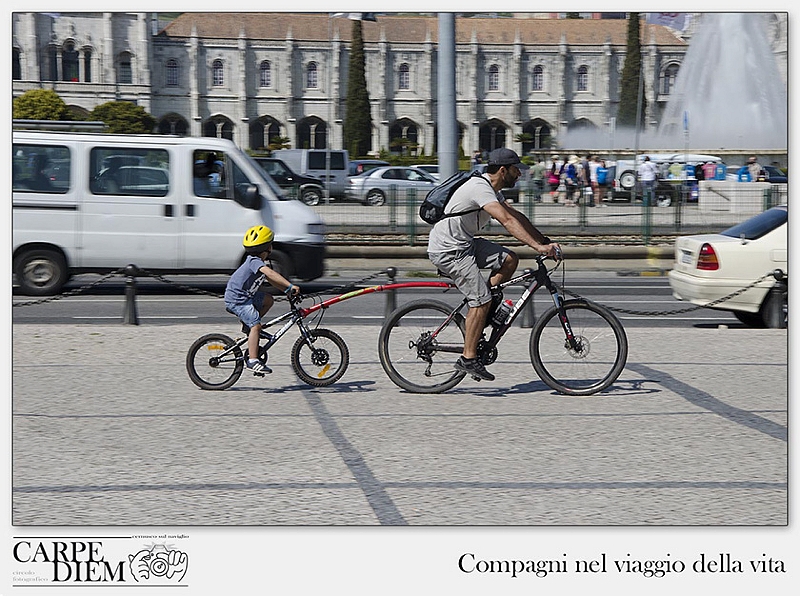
point(377, 185)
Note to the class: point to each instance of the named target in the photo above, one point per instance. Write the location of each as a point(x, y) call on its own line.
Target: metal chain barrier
point(73, 292)
point(354, 284)
point(675, 312)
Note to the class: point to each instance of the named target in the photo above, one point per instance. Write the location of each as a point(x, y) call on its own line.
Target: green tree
point(124, 117)
point(631, 73)
point(40, 104)
point(357, 130)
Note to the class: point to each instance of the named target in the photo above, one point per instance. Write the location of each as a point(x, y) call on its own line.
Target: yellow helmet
point(257, 239)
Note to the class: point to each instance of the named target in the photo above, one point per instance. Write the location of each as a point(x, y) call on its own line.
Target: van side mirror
point(252, 198)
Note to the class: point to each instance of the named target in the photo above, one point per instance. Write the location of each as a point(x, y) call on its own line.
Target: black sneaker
point(474, 368)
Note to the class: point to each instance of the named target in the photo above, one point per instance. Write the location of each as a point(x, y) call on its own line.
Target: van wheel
point(627, 180)
point(663, 200)
point(281, 263)
point(375, 198)
point(310, 196)
point(41, 272)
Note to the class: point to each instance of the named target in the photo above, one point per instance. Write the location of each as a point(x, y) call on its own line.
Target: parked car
point(309, 189)
point(373, 187)
point(359, 166)
point(711, 266)
point(773, 174)
point(511, 194)
point(432, 169)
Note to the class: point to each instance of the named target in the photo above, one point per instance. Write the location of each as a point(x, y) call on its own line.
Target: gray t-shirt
point(456, 233)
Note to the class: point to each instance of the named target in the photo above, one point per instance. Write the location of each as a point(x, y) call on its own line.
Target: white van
point(314, 163)
point(98, 202)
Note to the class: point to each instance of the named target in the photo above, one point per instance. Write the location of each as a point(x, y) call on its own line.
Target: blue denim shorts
point(248, 311)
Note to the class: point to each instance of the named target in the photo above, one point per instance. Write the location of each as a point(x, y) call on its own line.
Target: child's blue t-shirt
point(245, 281)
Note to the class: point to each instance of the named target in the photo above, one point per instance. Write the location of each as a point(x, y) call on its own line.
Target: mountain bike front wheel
point(592, 362)
point(214, 362)
point(417, 351)
point(324, 361)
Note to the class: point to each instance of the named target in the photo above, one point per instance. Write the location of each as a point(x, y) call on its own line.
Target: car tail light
point(707, 261)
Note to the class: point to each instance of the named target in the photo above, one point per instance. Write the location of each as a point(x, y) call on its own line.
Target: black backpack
point(432, 208)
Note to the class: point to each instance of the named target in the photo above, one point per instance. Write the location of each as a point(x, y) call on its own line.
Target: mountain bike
point(576, 347)
point(319, 357)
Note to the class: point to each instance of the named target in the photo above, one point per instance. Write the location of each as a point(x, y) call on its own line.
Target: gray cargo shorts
point(464, 268)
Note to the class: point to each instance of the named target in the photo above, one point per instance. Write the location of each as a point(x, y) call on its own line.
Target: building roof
point(413, 29)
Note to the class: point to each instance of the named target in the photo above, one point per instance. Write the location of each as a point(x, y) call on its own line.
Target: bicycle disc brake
point(320, 357)
point(578, 348)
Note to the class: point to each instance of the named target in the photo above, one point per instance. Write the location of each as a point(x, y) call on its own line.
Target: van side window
point(316, 160)
point(41, 169)
point(129, 172)
point(209, 175)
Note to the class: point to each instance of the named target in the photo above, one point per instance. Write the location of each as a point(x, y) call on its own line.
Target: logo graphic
point(157, 563)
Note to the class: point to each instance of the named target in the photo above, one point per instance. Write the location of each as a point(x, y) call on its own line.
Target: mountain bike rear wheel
point(412, 357)
point(208, 368)
point(324, 361)
point(592, 365)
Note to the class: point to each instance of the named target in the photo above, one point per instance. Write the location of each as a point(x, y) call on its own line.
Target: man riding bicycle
point(454, 249)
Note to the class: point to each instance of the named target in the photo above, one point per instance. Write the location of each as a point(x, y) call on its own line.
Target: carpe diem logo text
point(92, 561)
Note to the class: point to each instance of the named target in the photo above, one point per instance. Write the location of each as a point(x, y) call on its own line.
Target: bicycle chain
point(674, 312)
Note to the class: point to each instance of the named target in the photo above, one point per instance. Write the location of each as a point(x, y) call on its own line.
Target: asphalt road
point(109, 430)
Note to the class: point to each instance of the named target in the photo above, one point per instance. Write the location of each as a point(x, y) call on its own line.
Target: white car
point(712, 266)
point(376, 186)
point(432, 169)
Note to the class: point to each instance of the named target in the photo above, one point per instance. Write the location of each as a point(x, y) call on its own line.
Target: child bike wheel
point(208, 369)
point(411, 358)
point(324, 361)
point(600, 357)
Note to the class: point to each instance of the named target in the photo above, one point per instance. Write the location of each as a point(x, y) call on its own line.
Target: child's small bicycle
point(319, 357)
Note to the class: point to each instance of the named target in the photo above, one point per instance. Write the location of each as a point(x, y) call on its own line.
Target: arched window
point(125, 72)
point(583, 78)
point(668, 79)
point(172, 73)
point(69, 61)
point(311, 76)
point(265, 74)
point(16, 66)
point(538, 78)
point(404, 81)
point(87, 65)
point(494, 78)
point(217, 73)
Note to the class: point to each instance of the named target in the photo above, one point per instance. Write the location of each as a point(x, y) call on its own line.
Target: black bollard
point(528, 317)
point(130, 316)
point(391, 295)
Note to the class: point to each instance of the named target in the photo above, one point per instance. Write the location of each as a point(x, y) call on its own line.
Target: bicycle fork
point(571, 342)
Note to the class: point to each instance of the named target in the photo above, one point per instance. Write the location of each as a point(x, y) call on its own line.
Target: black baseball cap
point(505, 157)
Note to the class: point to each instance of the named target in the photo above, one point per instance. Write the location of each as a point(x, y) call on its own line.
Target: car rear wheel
point(375, 198)
point(775, 310)
point(751, 319)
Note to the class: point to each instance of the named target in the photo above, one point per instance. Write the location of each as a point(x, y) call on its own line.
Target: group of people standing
point(570, 178)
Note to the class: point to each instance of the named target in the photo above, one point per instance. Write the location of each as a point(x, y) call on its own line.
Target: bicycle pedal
point(258, 374)
point(477, 378)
